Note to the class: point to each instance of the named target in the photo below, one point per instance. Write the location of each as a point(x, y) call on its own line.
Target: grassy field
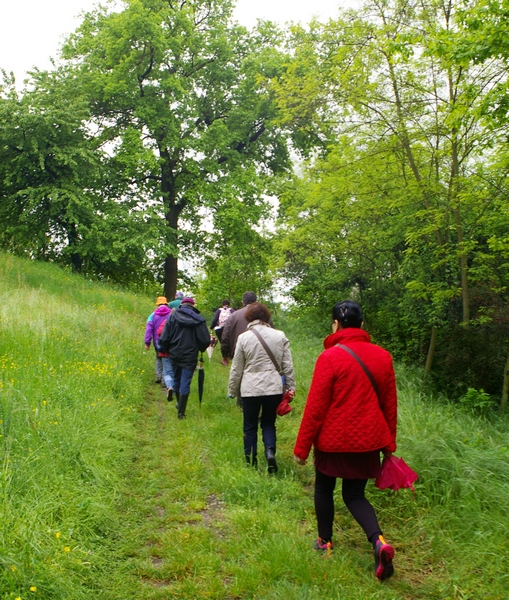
point(106, 495)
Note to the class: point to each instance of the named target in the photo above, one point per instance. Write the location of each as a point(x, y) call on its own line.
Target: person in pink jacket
point(161, 313)
point(349, 419)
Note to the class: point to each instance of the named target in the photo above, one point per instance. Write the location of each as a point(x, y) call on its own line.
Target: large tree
point(58, 199)
point(180, 99)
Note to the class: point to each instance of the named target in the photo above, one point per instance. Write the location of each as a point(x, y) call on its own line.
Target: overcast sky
point(32, 30)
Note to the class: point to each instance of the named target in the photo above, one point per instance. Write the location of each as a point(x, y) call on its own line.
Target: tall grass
point(106, 495)
point(70, 385)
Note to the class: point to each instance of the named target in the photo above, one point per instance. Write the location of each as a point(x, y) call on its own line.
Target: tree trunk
point(505, 386)
point(173, 210)
point(455, 201)
point(170, 277)
point(431, 351)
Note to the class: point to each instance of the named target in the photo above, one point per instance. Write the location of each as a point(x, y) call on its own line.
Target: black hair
point(248, 297)
point(225, 303)
point(348, 313)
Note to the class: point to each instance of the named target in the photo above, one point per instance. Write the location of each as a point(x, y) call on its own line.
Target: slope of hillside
point(106, 495)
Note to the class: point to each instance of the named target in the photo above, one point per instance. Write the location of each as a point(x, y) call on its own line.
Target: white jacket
point(253, 371)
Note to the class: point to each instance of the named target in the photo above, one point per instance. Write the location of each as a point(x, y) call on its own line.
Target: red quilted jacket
point(342, 412)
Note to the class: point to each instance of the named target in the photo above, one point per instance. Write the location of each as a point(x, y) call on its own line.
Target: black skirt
point(348, 465)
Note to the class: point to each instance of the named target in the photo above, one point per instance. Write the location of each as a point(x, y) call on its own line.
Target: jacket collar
point(343, 336)
point(257, 322)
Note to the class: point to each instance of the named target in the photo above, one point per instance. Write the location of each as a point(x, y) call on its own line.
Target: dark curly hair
point(257, 311)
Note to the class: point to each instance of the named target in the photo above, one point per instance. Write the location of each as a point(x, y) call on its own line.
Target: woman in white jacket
point(256, 380)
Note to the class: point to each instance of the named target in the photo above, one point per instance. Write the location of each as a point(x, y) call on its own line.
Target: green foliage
point(404, 205)
point(477, 400)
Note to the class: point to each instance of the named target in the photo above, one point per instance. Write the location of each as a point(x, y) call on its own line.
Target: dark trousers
point(251, 411)
point(182, 379)
point(354, 499)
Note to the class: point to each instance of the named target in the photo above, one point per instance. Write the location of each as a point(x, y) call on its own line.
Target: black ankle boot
point(182, 405)
point(251, 460)
point(177, 396)
point(270, 454)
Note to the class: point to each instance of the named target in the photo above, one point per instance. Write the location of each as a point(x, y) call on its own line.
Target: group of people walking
point(180, 336)
point(350, 414)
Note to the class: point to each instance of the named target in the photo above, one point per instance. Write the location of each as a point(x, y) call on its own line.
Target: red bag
point(284, 406)
point(395, 474)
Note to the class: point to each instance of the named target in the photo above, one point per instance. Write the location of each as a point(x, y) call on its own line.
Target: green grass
point(106, 495)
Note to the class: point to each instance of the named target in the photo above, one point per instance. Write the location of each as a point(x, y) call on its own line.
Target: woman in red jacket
point(349, 418)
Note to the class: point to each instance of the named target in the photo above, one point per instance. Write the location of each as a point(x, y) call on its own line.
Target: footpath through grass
point(207, 526)
point(107, 496)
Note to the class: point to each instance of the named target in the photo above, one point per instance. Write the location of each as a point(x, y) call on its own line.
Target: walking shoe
point(270, 454)
point(325, 547)
point(157, 381)
point(384, 553)
point(163, 384)
point(169, 394)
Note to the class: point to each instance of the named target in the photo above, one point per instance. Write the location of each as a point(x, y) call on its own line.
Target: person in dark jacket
point(350, 420)
point(234, 326)
point(184, 336)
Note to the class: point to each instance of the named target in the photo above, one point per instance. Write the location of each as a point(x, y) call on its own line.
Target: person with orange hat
point(161, 313)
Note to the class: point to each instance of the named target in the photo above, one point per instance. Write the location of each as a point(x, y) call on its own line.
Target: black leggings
point(354, 499)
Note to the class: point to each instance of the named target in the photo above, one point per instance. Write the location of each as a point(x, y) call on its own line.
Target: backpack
point(224, 315)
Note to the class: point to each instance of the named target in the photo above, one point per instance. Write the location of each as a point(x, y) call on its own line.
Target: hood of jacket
point(187, 317)
point(162, 311)
point(343, 336)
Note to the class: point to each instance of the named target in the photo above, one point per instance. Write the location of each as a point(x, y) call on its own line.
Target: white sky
point(31, 31)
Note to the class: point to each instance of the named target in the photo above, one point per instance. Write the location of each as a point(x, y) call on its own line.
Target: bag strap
point(364, 368)
point(267, 350)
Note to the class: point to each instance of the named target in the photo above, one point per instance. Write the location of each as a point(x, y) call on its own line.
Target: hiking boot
point(325, 547)
point(163, 384)
point(169, 394)
point(251, 460)
point(182, 405)
point(270, 454)
point(157, 381)
point(384, 553)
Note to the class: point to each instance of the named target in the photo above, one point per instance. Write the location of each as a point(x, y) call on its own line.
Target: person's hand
point(386, 453)
point(230, 397)
point(224, 361)
point(291, 393)
point(298, 460)
point(147, 347)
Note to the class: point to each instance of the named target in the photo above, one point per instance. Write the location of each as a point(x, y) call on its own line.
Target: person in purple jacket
point(160, 314)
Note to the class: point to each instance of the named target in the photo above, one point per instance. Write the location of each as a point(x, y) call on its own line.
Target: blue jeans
point(167, 372)
point(251, 411)
point(159, 367)
point(182, 379)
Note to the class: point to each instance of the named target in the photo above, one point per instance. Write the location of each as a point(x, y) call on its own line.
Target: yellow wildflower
point(33, 589)
point(67, 549)
point(57, 534)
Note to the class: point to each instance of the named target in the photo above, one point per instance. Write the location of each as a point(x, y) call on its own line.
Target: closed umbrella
point(212, 345)
point(201, 377)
